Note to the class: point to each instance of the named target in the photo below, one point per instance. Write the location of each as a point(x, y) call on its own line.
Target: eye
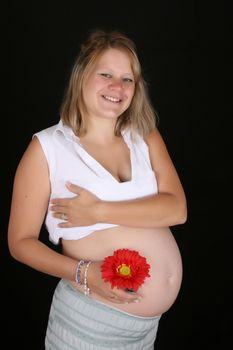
point(128, 80)
point(106, 75)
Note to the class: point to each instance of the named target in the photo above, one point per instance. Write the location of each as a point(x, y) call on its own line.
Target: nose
point(116, 83)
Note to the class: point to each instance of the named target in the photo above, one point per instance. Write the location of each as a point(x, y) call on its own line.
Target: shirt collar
point(69, 134)
point(66, 131)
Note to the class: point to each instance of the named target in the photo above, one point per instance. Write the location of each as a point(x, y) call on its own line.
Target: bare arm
point(167, 208)
point(29, 205)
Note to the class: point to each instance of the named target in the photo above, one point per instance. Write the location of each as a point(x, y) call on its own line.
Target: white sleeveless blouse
point(68, 161)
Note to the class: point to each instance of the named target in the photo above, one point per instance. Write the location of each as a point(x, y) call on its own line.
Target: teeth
point(112, 99)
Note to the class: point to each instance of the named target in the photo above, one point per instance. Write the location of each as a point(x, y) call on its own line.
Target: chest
point(121, 172)
point(115, 159)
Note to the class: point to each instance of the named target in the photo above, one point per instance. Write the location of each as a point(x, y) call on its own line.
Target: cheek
point(88, 90)
point(94, 85)
point(131, 94)
point(87, 96)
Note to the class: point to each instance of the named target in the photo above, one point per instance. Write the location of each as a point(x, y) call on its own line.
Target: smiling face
point(109, 87)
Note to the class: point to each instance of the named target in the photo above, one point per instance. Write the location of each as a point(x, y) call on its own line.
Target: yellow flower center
point(124, 270)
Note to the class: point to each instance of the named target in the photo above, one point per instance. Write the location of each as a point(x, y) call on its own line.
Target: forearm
point(37, 255)
point(156, 211)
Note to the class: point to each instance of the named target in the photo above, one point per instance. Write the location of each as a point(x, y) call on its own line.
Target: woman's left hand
point(76, 211)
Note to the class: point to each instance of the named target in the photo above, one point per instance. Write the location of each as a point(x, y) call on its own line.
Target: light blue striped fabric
point(77, 322)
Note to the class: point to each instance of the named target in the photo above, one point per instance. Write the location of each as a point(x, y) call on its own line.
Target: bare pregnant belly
point(160, 290)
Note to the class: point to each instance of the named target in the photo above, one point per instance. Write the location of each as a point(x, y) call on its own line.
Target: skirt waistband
point(79, 322)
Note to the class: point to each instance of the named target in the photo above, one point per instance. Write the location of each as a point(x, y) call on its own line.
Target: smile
point(112, 99)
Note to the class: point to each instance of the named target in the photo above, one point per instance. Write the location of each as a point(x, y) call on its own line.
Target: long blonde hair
point(140, 116)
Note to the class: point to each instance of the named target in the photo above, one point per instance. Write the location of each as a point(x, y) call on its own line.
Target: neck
point(101, 132)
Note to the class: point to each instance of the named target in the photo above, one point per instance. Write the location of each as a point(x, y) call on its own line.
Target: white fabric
point(68, 161)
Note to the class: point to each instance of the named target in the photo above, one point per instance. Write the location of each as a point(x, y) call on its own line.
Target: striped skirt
point(78, 322)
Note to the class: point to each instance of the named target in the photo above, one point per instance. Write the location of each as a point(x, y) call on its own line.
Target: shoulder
point(156, 144)
point(46, 136)
point(47, 131)
point(153, 137)
point(44, 141)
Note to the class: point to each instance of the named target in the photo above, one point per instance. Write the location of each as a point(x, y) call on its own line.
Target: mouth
point(111, 99)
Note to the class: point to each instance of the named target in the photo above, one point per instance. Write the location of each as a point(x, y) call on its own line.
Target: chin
point(112, 115)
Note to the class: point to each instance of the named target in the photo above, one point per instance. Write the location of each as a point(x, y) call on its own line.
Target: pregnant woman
point(103, 181)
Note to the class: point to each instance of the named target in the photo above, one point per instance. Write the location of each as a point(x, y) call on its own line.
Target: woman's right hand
point(99, 286)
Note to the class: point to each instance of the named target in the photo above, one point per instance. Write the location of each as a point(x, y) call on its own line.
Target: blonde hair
point(140, 116)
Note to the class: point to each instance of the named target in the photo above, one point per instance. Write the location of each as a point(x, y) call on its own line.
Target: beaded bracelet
point(86, 288)
point(78, 272)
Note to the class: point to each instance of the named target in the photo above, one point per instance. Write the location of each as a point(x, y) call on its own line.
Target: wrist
point(85, 282)
point(101, 211)
point(81, 274)
point(79, 277)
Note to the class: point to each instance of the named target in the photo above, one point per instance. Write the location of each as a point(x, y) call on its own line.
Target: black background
point(185, 50)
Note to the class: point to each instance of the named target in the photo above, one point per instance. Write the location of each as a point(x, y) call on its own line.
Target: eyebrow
point(110, 70)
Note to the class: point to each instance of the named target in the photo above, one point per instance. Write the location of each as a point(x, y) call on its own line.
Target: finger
point(130, 297)
point(115, 299)
point(125, 293)
point(60, 201)
point(74, 188)
point(60, 215)
point(57, 211)
point(135, 299)
point(123, 298)
point(65, 224)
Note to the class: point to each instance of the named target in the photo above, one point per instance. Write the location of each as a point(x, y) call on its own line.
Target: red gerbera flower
point(125, 269)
